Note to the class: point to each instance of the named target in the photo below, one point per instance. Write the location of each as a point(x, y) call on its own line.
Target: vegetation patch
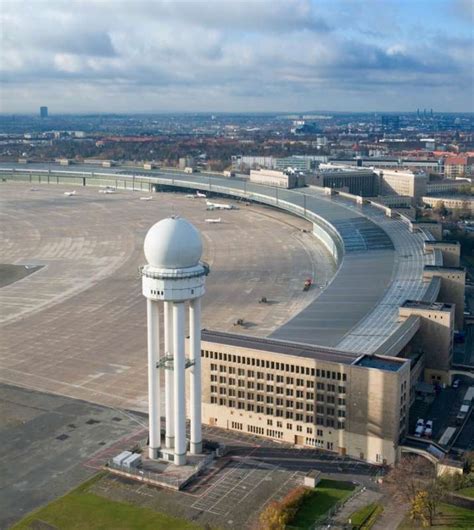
point(303, 506)
point(82, 510)
point(365, 517)
point(448, 517)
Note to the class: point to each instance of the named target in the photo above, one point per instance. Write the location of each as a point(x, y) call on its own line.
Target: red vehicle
point(307, 284)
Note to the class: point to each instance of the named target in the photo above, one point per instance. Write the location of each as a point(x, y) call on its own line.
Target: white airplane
point(146, 198)
point(218, 220)
point(217, 206)
point(106, 190)
point(200, 195)
point(70, 193)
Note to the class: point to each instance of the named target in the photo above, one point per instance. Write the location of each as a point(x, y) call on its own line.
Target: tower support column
point(154, 419)
point(195, 376)
point(169, 380)
point(179, 385)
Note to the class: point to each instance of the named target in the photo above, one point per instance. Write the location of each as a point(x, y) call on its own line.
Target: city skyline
point(237, 56)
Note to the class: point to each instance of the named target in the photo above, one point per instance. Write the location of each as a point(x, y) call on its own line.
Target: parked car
point(429, 428)
point(420, 428)
point(456, 383)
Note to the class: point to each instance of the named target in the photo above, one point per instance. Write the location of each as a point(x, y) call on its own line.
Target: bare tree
point(408, 477)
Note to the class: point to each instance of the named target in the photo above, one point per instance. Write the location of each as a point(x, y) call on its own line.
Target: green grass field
point(467, 492)
point(326, 494)
point(82, 510)
point(449, 517)
point(366, 516)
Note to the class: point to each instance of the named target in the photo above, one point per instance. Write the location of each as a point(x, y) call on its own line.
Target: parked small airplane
point(200, 195)
point(218, 206)
point(107, 190)
point(146, 198)
point(218, 220)
point(70, 193)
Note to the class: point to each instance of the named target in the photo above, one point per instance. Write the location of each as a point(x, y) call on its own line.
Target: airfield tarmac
point(76, 326)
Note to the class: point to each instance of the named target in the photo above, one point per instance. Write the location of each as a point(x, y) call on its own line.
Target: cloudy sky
point(225, 55)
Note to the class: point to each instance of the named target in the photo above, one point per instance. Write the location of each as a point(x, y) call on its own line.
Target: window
point(270, 422)
point(289, 403)
point(341, 389)
point(320, 409)
point(320, 386)
point(289, 426)
point(270, 388)
point(341, 401)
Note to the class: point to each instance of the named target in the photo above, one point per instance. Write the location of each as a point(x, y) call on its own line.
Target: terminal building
point(342, 373)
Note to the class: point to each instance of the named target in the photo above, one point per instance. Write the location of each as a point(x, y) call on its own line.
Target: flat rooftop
point(443, 268)
point(420, 304)
point(442, 243)
point(277, 346)
point(381, 363)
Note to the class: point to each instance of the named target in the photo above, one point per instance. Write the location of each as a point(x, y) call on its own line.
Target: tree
point(439, 208)
point(408, 477)
point(272, 517)
point(414, 481)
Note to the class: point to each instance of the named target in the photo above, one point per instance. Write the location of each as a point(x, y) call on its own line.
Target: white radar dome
point(173, 243)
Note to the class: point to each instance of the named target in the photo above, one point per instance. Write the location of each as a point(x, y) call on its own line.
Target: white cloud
point(236, 55)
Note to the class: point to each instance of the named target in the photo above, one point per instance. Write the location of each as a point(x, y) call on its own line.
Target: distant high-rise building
point(44, 112)
point(390, 122)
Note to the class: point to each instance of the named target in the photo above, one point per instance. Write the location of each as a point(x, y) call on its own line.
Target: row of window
point(273, 365)
point(319, 443)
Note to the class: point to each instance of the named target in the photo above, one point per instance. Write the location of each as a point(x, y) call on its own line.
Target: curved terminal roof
point(380, 261)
